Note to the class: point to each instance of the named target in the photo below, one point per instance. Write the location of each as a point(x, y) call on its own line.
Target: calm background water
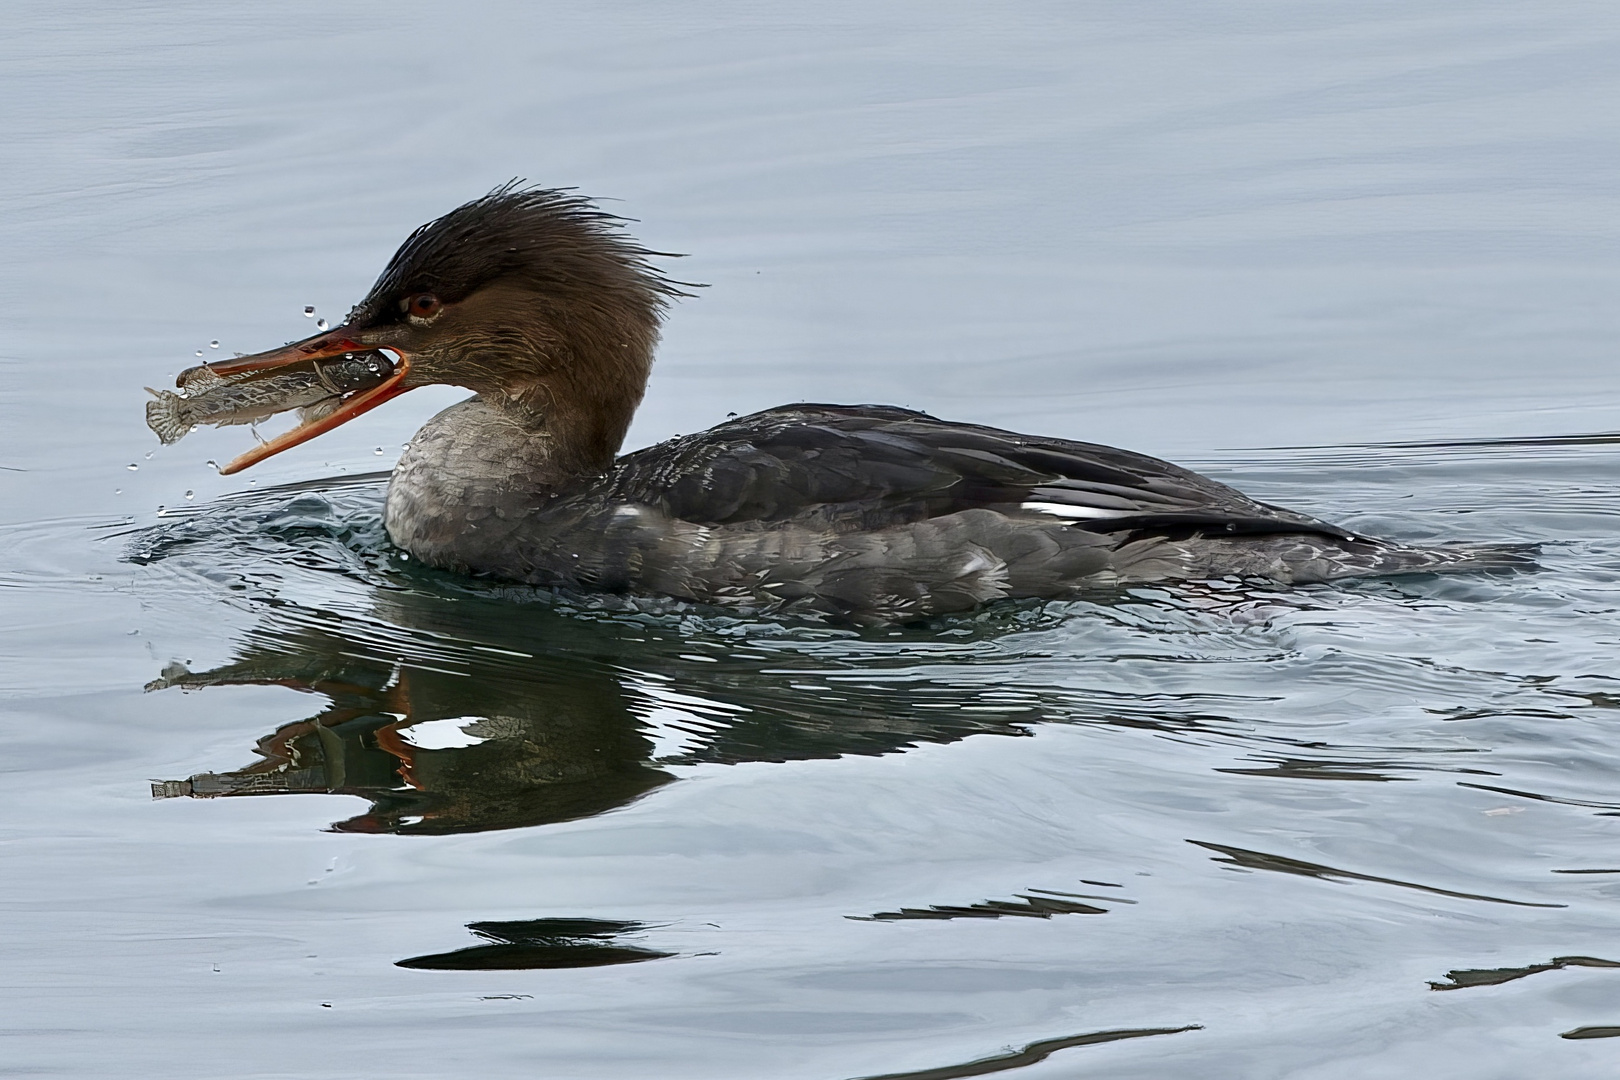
point(1204, 231)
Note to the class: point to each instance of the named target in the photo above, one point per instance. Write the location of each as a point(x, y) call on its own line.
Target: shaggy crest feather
point(545, 237)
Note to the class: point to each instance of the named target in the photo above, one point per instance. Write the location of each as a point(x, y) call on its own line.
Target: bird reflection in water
point(472, 713)
point(448, 727)
point(434, 751)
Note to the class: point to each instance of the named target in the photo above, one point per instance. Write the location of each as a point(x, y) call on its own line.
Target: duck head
point(531, 297)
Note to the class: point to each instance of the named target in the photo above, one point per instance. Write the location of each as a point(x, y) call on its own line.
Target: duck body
point(540, 304)
point(864, 513)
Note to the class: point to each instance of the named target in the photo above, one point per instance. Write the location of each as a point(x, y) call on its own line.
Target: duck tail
point(1304, 558)
point(1452, 559)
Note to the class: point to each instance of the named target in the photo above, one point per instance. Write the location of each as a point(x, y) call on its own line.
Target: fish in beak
point(261, 369)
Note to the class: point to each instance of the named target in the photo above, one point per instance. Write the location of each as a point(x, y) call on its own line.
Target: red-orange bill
point(322, 346)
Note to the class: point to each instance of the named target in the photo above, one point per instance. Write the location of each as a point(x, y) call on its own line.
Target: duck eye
point(422, 305)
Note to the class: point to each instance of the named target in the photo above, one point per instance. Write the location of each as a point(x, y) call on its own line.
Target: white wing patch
point(442, 734)
point(1072, 513)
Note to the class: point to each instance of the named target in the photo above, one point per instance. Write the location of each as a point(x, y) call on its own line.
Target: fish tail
point(166, 416)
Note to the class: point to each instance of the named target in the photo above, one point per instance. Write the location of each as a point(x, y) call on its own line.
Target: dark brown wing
point(866, 467)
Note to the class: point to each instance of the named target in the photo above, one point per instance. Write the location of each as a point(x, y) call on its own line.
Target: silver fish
point(206, 397)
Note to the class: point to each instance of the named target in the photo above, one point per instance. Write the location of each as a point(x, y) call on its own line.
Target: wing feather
point(866, 467)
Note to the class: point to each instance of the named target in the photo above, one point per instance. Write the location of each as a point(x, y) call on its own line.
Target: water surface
point(1358, 260)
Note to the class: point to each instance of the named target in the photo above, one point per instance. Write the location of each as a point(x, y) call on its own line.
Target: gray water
point(1357, 259)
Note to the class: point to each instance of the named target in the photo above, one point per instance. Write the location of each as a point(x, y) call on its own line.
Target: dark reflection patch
point(1037, 1052)
point(1043, 906)
point(1295, 768)
point(542, 943)
point(1609, 807)
point(1242, 858)
point(1465, 977)
point(1591, 1033)
point(1313, 768)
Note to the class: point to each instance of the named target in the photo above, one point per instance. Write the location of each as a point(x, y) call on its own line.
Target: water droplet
point(252, 483)
point(189, 495)
point(309, 311)
point(132, 466)
point(378, 451)
point(162, 510)
point(118, 491)
point(199, 352)
point(404, 446)
point(149, 455)
point(320, 324)
point(348, 356)
point(213, 344)
point(212, 464)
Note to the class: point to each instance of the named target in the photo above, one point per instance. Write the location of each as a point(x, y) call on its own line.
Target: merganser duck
point(543, 306)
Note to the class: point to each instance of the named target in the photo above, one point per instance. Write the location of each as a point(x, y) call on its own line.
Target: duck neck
point(577, 424)
point(550, 413)
point(478, 471)
point(570, 372)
